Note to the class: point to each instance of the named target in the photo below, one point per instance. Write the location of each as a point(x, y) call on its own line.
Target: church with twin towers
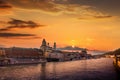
point(45, 46)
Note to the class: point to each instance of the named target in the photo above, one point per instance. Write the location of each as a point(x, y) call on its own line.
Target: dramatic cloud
point(4, 5)
point(44, 5)
point(27, 38)
point(54, 6)
point(18, 36)
point(100, 17)
point(15, 23)
point(96, 17)
point(14, 35)
point(72, 7)
point(5, 29)
point(107, 6)
point(5, 8)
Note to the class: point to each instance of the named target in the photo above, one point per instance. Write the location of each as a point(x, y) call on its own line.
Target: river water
point(92, 69)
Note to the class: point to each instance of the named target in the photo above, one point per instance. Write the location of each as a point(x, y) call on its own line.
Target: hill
point(117, 51)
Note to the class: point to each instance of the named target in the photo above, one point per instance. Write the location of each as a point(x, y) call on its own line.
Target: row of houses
point(16, 55)
point(65, 56)
point(15, 52)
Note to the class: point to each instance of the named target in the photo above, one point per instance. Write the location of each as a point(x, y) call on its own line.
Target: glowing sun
point(73, 43)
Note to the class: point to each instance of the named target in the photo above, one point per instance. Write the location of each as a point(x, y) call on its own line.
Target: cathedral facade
point(45, 47)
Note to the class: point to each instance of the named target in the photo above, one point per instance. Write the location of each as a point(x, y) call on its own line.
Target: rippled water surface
point(92, 69)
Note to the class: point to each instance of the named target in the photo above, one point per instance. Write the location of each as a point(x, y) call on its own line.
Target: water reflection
point(43, 71)
point(94, 69)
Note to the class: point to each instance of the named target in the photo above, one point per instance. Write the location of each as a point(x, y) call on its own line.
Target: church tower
point(43, 46)
point(54, 46)
point(44, 43)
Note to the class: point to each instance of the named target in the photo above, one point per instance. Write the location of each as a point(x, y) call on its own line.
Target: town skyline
point(86, 24)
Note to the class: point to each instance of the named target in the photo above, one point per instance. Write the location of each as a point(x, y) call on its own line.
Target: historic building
point(2, 52)
point(16, 52)
point(54, 46)
point(45, 47)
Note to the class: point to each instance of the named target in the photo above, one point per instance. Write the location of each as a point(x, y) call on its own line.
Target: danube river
point(92, 69)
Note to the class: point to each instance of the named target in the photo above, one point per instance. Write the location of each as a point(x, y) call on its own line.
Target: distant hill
point(117, 51)
point(100, 51)
point(71, 48)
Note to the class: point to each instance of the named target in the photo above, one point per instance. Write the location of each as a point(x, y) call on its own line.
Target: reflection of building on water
point(43, 71)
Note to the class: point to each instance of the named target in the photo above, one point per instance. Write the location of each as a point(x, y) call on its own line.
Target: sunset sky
point(92, 24)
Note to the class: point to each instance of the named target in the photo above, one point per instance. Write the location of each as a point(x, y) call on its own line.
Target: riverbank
point(20, 62)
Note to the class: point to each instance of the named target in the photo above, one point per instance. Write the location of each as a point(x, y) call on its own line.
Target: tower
point(54, 46)
point(44, 43)
point(48, 44)
point(43, 46)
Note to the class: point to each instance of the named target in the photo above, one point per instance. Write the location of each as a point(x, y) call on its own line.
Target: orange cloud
point(16, 23)
point(5, 8)
point(18, 36)
point(4, 5)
